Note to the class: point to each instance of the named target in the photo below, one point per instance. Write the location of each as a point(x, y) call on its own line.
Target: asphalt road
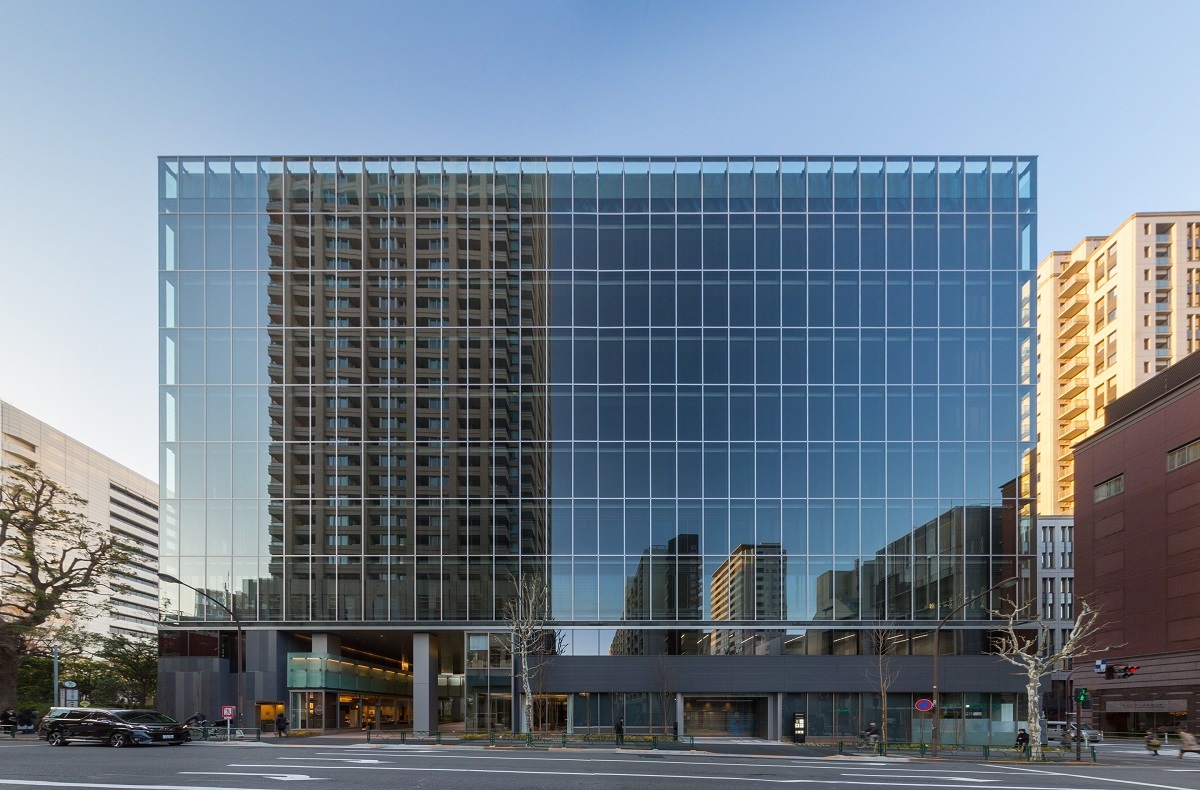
point(275, 764)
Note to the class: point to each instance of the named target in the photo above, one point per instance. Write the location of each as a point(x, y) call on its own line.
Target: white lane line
point(685, 777)
point(336, 759)
point(280, 777)
point(37, 783)
point(929, 776)
point(1092, 778)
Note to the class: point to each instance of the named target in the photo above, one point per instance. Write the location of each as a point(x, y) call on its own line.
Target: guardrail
point(988, 751)
point(223, 734)
point(8, 729)
point(536, 739)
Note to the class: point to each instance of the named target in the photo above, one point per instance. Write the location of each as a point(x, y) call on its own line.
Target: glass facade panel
point(690, 392)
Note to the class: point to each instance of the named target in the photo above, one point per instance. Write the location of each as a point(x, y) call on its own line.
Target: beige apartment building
point(117, 498)
point(1112, 312)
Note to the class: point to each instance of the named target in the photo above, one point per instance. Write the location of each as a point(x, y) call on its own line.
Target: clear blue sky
point(91, 93)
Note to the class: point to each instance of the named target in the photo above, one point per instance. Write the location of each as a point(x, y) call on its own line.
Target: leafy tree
point(53, 560)
point(129, 671)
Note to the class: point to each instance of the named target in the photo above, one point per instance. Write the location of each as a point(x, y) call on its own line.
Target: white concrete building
point(118, 498)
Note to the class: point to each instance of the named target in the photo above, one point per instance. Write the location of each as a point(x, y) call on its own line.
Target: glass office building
point(741, 414)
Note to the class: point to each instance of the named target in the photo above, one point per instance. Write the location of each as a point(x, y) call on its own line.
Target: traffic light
point(1110, 673)
point(1129, 671)
point(1081, 694)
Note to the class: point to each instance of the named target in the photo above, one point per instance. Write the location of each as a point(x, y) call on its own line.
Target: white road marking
point(693, 777)
point(280, 777)
point(335, 759)
point(1093, 778)
point(38, 783)
point(930, 776)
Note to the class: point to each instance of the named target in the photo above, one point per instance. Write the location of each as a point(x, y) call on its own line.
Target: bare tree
point(1028, 643)
point(882, 672)
point(664, 689)
point(526, 613)
point(52, 560)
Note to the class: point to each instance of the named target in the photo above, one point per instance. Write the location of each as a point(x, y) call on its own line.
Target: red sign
point(924, 705)
point(227, 711)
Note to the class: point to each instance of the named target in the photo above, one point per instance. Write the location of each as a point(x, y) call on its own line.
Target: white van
point(1065, 732)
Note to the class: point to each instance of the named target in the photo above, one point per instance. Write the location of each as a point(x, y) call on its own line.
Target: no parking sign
point(924, 705)
point(228, 711)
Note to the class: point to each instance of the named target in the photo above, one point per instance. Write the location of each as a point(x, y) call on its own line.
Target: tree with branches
point(525, 614)
point(52, 561)
point(1028, 643)
point(882, 672)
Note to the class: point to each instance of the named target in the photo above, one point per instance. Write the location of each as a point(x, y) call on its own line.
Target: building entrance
point(716, 716)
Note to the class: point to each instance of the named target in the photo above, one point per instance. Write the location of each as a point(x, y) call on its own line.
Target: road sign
point(1101, 664)
point(68, 684)
point(924, 705)
point(228, 711)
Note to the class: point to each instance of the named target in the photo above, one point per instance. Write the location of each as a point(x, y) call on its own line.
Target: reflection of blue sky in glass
point(101, 89)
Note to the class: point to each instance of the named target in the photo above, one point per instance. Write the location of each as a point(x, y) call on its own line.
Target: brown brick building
point(1138, 555)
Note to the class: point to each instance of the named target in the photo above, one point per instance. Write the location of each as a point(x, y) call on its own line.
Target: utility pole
point(54, 697)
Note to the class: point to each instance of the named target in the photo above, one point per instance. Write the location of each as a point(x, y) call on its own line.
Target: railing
point(988, 751)
point(8, 729)
point(224, 734)
point(543, 740)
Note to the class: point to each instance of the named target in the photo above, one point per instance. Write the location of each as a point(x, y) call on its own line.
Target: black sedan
point(113, 727)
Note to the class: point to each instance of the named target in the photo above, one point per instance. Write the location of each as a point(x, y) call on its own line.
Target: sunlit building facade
point(697, 396)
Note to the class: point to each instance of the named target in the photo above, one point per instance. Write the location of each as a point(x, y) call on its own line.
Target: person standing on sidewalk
point(281, 725)
point(619, 731)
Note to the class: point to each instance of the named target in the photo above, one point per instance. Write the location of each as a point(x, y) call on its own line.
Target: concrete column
point(570, 714)
point(772, 718)
point(781, 731)
point(679, 712)
point(425, 682)
point(329, 644)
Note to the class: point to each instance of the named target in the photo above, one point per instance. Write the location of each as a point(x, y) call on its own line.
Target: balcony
point(1072, 328)
point(1071, 307)
point(1066, 473)
point(1073, 366)
point(1070, 429)
point(1069, 286)
point(1071, 267)
point(1074, 408)
point(1072, 346)
point(1072, 387)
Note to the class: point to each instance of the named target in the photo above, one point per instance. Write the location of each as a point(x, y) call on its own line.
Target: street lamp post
point(936, 727)
point(166, 577)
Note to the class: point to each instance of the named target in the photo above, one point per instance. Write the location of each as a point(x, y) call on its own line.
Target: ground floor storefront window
point(320, 710)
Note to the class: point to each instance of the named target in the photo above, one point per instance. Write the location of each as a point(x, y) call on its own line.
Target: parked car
point(114, 727)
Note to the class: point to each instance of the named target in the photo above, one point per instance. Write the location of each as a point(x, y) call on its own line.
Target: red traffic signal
point(1129, 671)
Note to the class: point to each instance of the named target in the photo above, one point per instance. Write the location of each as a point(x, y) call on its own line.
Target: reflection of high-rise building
point(747, 587)
point(664, 587)
point(118, 500)
point(390, 385)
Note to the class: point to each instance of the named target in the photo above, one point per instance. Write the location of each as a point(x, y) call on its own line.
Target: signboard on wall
point(1145, 705)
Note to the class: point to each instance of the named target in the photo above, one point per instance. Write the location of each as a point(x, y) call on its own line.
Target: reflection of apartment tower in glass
point(396, 469)
point(1112, 312)
point(665, 586)
point(118, 499)
point(747, 586)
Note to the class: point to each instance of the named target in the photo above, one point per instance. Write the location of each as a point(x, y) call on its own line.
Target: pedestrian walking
point(619, 731)
point(1022, 739)
point(9, 719)
point(281, 725)
point(1187, 743)
point(1152, 742)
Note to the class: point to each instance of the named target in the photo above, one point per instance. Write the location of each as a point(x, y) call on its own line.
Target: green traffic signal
point(1082, 695)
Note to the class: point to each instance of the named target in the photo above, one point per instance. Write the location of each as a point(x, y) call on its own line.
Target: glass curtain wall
point(723, 405)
